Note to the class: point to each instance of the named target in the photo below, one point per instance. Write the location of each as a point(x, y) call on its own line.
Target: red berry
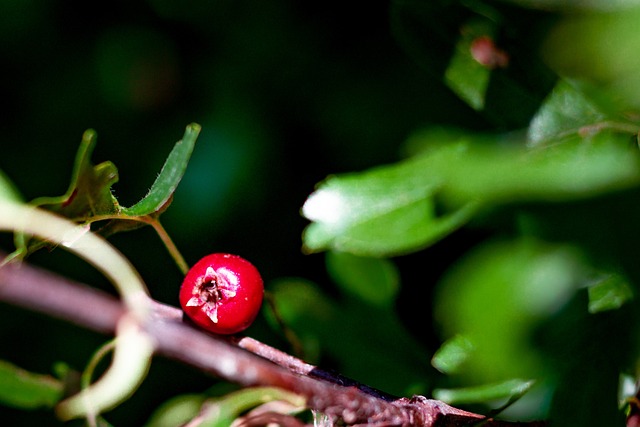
point(222, 293)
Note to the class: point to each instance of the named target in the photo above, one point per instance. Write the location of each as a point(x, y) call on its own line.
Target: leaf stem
point(160, 231)
point(170, 245)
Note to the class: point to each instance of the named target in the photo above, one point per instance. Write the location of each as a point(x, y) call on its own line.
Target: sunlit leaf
point(90, 195)
point(452, 354)
point(26, 390)
point(409, 205)
point(386, 210)
point(161, 193)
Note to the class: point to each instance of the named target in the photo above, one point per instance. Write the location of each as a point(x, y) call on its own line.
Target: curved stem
point(133, 346)
point(131, 361)
point(20, 218)
point(85, 379)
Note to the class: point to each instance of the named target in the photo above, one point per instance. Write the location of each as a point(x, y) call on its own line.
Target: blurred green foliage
point(483, 218)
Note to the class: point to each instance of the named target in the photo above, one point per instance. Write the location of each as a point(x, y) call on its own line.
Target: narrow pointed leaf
point(8, 190)
point(89, 197)
point(170, 176)
point(89, 192)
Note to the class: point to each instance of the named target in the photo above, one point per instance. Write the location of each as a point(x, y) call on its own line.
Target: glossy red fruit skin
point(222, 293)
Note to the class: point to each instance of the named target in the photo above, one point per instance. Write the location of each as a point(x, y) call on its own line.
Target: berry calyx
point(222, 293)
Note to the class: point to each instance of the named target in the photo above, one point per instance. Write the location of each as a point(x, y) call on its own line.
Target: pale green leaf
point(572, 108)
point(26, 390)
point(609, 293)
point(452, 354)
point(496, 297)
point(221, 412)
point(510, 389)
point(8, 191)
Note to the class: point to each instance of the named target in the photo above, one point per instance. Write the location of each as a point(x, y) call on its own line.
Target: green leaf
point(575, 107)
point(89, 197)
point(510, 389)
point(467, 77)
point(8, 191)
point(383, 211)
point(597, 47)
point(89, 193)
point(576, 342)
point(170, 176)
point(576, 6)
point(160, 195)
point(409, 205)
point(346, 330)
point(496, 297)
point(221, 412)
point(579, 167)
point(176, 411)
point(609, 293)
point(373, 280)
point(432, 34)
point(452, 354)
point(26, 390)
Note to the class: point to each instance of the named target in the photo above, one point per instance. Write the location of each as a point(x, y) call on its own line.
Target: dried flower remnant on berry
point(209, 291)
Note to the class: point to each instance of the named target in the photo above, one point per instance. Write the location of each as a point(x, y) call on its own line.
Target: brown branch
point(241, 360)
